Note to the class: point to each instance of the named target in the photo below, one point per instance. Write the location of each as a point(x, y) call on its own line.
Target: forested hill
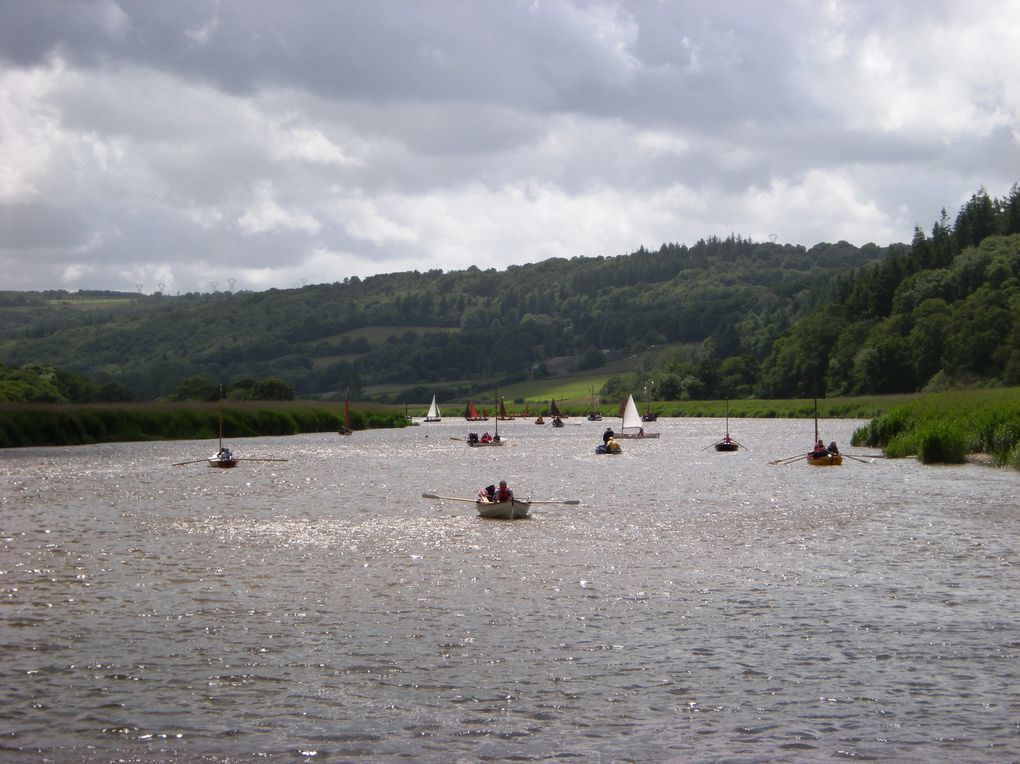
point(944, 313)
point(416, 328)
point(743, 318)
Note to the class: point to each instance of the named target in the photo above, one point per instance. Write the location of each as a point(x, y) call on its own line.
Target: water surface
point(696, 606)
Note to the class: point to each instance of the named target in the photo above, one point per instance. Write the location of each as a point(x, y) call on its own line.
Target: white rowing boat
point(515, 509)
point(503, 510)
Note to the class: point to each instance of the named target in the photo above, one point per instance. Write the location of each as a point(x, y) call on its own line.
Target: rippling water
point(695, 607)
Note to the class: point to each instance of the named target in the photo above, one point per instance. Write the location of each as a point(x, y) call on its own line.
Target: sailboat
point(475, 441)
point(222, 459)
point(727, 443)
point(818, 456)
point(648, 416)
point(502, 411)
point(471, 413)
point(594, 415)
point(345, 427)
point(433, 413)
point(554, 412)
point(631, 426)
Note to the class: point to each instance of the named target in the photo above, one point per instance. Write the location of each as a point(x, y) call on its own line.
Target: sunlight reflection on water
point(695, 606)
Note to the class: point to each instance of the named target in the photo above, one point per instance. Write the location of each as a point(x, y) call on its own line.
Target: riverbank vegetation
point(69, 425)
point(947, 427)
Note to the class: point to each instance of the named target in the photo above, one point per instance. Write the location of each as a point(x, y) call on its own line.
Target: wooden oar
point(789, 459)
point(862, 461)
point(448, 498)
point(524, 501)
point(193, 461)
point(253, 459)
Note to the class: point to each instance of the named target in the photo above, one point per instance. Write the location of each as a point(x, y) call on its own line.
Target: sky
point(214, 145)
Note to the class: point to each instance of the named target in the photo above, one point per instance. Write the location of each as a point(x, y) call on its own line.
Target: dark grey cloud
point(174, 143)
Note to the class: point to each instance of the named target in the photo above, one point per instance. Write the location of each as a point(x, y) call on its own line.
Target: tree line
point(745, 318)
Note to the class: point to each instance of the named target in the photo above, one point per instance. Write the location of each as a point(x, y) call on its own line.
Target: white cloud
point(265, 215)
point(187, 145)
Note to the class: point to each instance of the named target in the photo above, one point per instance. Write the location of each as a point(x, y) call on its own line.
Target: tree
point(272, 389)
point(195, 388)
point(884, 366)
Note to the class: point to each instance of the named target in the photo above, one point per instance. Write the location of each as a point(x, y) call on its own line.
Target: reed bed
point(948, 427)
point(24, 425)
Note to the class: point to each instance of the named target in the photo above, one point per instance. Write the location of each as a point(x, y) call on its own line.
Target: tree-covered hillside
point(743, 318)
point(942, 313)
point(482, 324)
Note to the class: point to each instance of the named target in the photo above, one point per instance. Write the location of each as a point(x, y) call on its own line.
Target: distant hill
point(737, 317)
point(408, 329)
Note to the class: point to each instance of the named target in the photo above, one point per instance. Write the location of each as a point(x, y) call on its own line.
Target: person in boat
point(495, 438)
point(472, 437)
point(608, 435)
point(612, 446)
point(487, 494)
point(819, 450)
point(224, 455)
point(486, 438)
point(727, 439)
point(833, 448)
point(503, 493)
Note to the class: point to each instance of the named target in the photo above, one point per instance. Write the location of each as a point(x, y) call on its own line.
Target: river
point(696, 606)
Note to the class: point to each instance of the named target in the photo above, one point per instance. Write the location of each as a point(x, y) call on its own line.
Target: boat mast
point(221, 418)
point(816, 413)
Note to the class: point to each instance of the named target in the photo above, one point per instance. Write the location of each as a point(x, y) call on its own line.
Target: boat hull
point(829, 460)
point(221, 464)
point(480, 444)
point(637, 435)
point(503, 510)
point(726, 447)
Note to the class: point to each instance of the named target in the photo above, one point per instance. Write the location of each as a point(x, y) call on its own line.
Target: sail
point(433, 415)
point(631, 417)
point(553, 409)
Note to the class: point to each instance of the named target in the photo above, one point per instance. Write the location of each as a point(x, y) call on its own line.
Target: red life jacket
point(504, 494)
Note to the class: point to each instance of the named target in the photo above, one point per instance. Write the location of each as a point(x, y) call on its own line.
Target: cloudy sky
point(198, 145)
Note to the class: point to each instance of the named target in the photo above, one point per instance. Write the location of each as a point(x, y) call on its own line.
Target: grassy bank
point(67, 425)
point(946, 427)
point(864, 407)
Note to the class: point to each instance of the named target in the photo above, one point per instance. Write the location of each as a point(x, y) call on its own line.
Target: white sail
point(631, 417)
point(433, 415)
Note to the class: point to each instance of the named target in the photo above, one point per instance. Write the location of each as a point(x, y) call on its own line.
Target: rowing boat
point(825, 460)
point(515, 509)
